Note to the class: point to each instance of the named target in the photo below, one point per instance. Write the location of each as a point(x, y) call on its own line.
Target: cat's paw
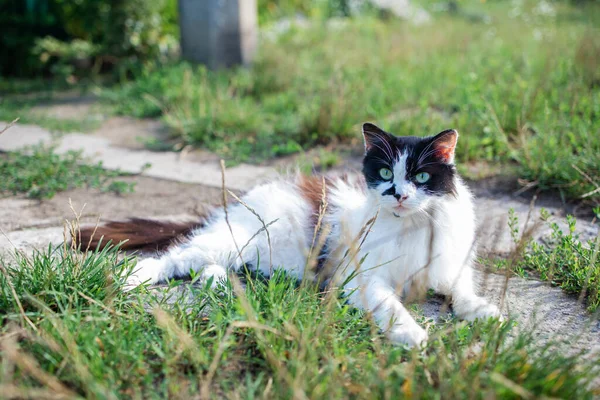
point(145, 272)
point(217, 272)
point(410, 335)
point(482, 311)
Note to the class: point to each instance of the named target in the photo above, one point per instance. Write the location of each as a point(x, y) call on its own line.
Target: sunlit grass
point(81, 335)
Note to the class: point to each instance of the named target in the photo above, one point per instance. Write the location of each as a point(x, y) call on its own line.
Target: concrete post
point(218, 33)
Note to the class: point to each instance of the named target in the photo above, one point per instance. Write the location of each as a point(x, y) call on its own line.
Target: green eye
point(422, 177)
point(386, 174)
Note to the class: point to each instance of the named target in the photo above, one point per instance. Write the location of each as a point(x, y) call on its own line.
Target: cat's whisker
point(425, 153)
point(428, 164)
point(385, 152)
point(382, 160)
point(384, 140)
point(388, 151)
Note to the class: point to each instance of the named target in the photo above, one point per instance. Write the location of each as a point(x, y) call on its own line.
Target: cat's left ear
point(444, 144)
point(375, 136)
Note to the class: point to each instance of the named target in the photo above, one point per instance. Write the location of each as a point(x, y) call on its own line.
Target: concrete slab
point(165, 165)
point(494, 236)
point(538, 307)
point(30, 239)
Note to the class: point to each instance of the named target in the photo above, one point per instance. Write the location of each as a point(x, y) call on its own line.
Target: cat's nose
point(400, 198)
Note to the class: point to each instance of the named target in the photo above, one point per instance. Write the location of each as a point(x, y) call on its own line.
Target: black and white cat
point(407, 225)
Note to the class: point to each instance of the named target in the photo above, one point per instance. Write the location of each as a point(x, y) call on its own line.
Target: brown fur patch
point(311, 188)
point(137, 234)
point(315, 190)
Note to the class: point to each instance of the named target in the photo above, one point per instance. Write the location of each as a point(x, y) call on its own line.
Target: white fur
point(428, 243)
point(280, 206)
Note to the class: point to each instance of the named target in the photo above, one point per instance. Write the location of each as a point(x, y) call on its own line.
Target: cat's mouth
point(398, 210)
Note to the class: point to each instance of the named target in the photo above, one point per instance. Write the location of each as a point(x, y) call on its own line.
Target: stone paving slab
point(537, 306)
point(165, 165)
point(492, 219)
point(31, 239)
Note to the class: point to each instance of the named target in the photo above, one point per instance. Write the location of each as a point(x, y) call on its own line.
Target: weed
point(561, 259)
point(320, 160)
point(119, 187)
point(567, 262)
point(40, 173)
point(24, 110)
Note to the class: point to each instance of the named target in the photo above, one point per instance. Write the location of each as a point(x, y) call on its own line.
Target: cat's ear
point(444, 144)
point(374, 135)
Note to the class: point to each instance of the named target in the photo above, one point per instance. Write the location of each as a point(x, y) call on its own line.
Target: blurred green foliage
point(71, 38)
point(68, 37)
point(269, 10)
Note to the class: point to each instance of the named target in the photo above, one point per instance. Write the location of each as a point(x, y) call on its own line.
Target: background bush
point(72, 36)
point(269, 10)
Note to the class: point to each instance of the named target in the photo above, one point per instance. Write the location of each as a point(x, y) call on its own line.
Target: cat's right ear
point(374, 136)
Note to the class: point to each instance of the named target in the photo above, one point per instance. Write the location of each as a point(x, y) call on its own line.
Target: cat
point(406, 225)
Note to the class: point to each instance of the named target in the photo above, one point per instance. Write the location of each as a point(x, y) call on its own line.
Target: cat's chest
point(399, 250)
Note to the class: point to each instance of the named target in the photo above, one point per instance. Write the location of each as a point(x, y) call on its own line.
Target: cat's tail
point(136, 234)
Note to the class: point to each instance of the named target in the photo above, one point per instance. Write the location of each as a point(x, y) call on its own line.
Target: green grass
point(522, 90)
point(16, 86)
point(12, 107)
point(40, 173)
point(562, 259)
point(68, 329)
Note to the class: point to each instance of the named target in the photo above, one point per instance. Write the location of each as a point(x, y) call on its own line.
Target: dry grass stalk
point(10, 124)
point(224, 197)
point(23, 316)
point(25, 362)
point(14, 392)
point(265, 226)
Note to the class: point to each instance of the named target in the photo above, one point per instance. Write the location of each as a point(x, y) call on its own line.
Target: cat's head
point(405, 173)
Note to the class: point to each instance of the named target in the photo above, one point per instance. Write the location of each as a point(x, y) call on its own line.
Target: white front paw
point(483, 310)
point(145, 272)
point(217, 272)
point(410, 335)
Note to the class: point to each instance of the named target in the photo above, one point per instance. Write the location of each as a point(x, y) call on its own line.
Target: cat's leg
point(465, 302)
point(175, 264)
point(379, 298)
point(210, 254)
point(460, 286)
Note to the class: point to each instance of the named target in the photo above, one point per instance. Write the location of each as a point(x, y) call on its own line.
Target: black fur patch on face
point(381, 151)
point(428, 154)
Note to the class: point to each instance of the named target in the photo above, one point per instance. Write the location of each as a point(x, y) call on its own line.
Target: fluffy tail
point(136, 234)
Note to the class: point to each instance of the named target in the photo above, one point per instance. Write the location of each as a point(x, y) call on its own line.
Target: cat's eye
point(386, 174)
point(422, 177)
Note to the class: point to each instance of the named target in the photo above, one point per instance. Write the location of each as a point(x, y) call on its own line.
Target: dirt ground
point(152, 198)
